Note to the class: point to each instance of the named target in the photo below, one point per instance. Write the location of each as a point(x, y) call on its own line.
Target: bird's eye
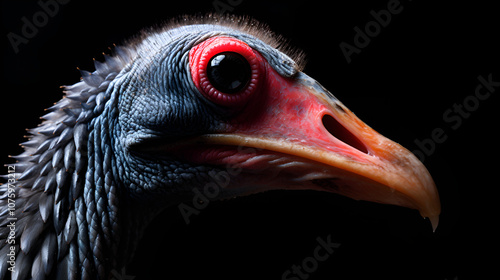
point(228, 72)
point(225, 70)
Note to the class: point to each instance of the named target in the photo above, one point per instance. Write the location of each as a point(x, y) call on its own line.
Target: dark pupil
point(228, 72)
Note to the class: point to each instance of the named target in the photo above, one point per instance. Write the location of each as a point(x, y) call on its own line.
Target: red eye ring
point(200, 56)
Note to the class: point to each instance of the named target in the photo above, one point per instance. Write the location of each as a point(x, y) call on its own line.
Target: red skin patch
point(271, 106)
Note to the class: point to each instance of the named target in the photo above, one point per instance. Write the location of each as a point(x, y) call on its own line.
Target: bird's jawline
point(198, 150)
point(251, 160)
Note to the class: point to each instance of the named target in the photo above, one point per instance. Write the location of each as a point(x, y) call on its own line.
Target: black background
point(426, 60)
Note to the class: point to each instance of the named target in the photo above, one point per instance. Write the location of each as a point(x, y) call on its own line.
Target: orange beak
point(297, 117)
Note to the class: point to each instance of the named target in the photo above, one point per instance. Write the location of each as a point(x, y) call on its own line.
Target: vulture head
point(214, 108)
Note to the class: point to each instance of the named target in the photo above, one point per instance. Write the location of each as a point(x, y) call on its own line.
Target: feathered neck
point(56, 196)
point(66, 192)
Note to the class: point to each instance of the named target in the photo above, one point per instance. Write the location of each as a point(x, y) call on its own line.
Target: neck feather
point(65, 193)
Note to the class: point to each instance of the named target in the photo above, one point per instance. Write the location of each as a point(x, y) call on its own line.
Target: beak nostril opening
point(338, 131)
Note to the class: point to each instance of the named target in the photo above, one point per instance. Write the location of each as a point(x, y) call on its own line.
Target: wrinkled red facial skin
point(272, 106)
point(284, 110)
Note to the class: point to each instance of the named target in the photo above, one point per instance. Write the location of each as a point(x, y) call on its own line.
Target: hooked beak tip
point(434, 222)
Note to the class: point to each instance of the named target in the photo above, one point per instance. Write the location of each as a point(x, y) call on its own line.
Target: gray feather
point(32, 143)
point(66, 135)
point(113, 62)
point(62, 269)
point(37, 271)
point(70, 227)
point(69, 155)
point(77, 185)
point(57, 158)
point(80, 162)
point(70, 120)
point(60, 215)
point(59, 129)
point(73, 267)
point(49, 252)
point(61, 178)
point(23, 266)
point(43, 147)
point(39, 183)
point(100, 67)
point(46, 156)
point(46, 168)
point(31, 233)
point(31, 204)
point(62, 247)
point(45, 206)
point(34, 170)
point(79, 134)
point(34, 158)
point(47, 130)
point(50, 184)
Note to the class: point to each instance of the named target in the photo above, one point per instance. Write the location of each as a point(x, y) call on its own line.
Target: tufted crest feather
point(244, 24)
